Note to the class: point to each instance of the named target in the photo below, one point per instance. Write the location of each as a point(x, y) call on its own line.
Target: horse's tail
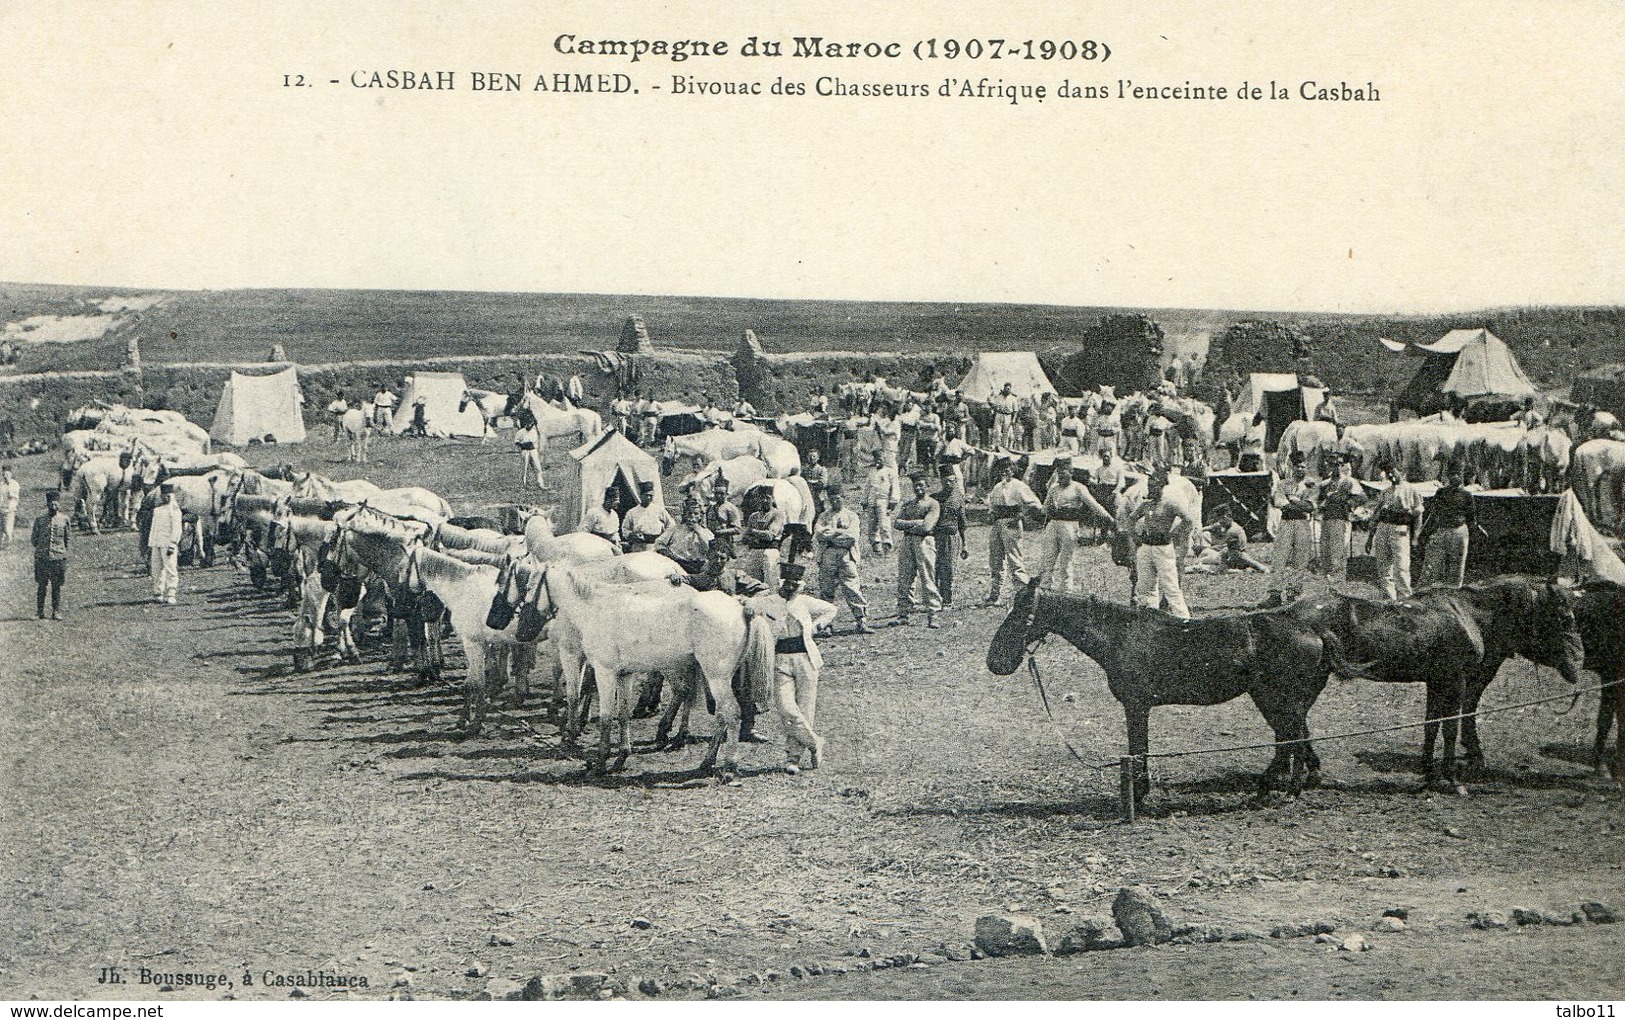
point(756, 665)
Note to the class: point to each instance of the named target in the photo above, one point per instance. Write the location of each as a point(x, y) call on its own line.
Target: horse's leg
point(623, 716)
point(472, 716)
point(1610, 706)
point(1430, 731)
point(1456, 697)
point(1138, 720)
point(1477, 682)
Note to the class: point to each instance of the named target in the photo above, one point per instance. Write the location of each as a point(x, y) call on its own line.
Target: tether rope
point(1032, 666)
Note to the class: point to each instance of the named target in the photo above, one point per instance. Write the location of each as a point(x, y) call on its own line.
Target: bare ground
point(175, 798)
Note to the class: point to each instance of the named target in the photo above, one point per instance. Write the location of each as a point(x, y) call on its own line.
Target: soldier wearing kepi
point(917, 557)
point(840, 540)
point(50, 541)
point(1296, 496)
point(163, 541)
point(724, 520)
point(1069, 505)
point(764, 530)
point(688, 542)
point(1006, 502)
point(950, 531)
point(795, 618)
point(1444, 539)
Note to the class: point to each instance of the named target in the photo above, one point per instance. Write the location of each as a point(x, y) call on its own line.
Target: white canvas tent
point(992, 370)
point(609, 460)
point(1276, 396)
point(442, 394)
point(255, 406)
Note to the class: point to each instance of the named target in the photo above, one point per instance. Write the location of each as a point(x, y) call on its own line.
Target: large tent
point(1279, 398)
point(992, 370)
point(609, 460)
point(1464, 363)
point(253, 407)
point(442, 395)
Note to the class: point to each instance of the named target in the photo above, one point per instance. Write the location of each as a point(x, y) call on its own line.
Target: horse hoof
point(1460, 789)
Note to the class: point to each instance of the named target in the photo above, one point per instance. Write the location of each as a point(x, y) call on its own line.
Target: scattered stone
point(503, 989)
point(1010, 935)
point(1558, 920)
point(1523, 916)
point(587, 982)
point(1597, 913)
point(774, 975)
point(1391, 872)
point(501, 940)
point(1400, 912)
point(403, 981)
point(605, 994)
point(1326, 940)
point(750, 979)
point(1488, 919)
point(1355, 944)
point(977, 954)
point(865, 953)
point(722, 992)
point(854, 791)
point(1388, 922)
point(1139, 918)
point(1088, 934)
point(1454, 833)
point(796, 971)
point(1246, 935)
point(904, 959)
point(642, 923)
point(933, 959)
point(476, 970)
point(428, 887)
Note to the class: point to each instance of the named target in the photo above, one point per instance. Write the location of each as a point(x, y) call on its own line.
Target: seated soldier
point(1225, 548)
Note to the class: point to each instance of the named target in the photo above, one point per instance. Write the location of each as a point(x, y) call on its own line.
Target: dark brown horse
point(1453, 641)
point(1599, 613)
point(1152, 659)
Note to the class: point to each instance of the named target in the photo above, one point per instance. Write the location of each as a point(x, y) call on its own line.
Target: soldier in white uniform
point(795, 618)
point(1156, 523)
point(1297, 497)
point(646, 522)
point(1006, 502)
point(164, 542)
point(605, 521)
point(1395, 517)
point(1004, 404)
point(840, 544)
point(881, 494)
point(1069, 505)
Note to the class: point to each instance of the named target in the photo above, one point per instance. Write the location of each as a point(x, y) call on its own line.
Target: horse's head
point(1555, 621)
point(1017, 634)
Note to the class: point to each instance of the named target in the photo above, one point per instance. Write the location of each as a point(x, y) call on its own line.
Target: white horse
point(740, 473)
point(660, 627)
point(704, 448)
point(313, 486)
point(357, 434)
point(98, 478)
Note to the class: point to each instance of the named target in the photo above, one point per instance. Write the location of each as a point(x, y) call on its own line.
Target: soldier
point(688, 541)
point(1006, 502)
point(1339, 499)
point(763, 531)
point(795, 618)
point(49, 537)
point(840, 540)
point(816, 475)
point(1296, 496)
point(1445, 537)
point(927, 436)
point(917, 558)
point(1069, 505)
point(163, 541)
point(605, 522)
point(1155, 522)
point(646, 522)
point(723, 519)
point(1395, 516)
point(880, 497)
point(1004, 405)
point(950, 531)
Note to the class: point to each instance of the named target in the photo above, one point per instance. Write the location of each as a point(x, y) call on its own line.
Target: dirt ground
point(175, 798)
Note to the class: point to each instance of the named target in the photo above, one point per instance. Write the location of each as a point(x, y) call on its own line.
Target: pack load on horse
point(1153, 659)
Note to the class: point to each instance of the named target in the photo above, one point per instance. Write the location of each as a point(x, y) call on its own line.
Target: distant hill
point(338, 325)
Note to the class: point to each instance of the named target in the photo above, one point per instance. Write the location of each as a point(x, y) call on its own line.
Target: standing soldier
point(889, 431)
point(1445, 538)
point(1155, 522)
point(1072, 431)
point(621, 410)
point(1004, 405)
point(1296, 497)
point(383, 408)
point(917, 560)
point(335, 410)
point(840, 539)
point(1068, 504)
point(928, 436)
point(881, 494)
point(605, 522)
point(163, 543)
point(816, 475)
point(1395, 518)
point(49, 538)
point(764, 530)
point(11, 495)
point(1006, 502)
point(1339, 498)
point(950, 531)
point(956, 418)
point(1049, 422)
point(795, 618)
point(646, 522)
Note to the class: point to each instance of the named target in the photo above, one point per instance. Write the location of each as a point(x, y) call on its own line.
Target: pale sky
point(152, 144)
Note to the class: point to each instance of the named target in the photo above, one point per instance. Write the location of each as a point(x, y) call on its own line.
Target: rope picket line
point(1032, 665)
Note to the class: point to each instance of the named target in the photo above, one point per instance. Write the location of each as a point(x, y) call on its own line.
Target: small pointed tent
point(1464, 363)
point(609, 460)
point(442, 395)
point(992, 370)
point(1280, 397)
point(255, 406)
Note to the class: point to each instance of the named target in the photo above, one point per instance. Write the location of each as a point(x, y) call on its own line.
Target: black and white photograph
point(668, 503)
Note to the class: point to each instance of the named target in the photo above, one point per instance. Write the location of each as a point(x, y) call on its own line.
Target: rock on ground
point(1010, 935)
point(1139, 918)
